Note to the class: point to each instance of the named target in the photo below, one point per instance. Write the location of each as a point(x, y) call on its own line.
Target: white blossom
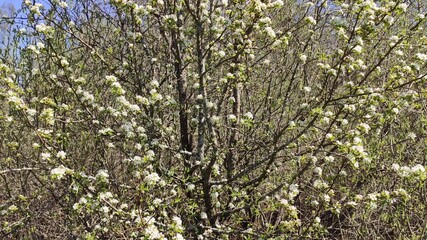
point(317, 171)
point(191, 187)
point(59, 172)
point(102, 175)
point(61, 154)
point(310, 20)
point(152, 178)
point(402, 6)
point(232, 117)
point(364, 127)
point(248, 115)
point(45, 155)
point(270, 32)
point(303, 58)
point(358, 49)
point(421, 56)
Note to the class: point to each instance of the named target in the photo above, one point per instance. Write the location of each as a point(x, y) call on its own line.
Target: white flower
point(105, 209)
point(157, 201)
point(106, 195)
point(421, 56)
point(61, 154)
point(15, 100)
point(310, 20)
point(402, 6)
point(42, 28)
point(332, 72)
point(138, 146)
point(232, 117)
point(151, 230)
point(329, 159)
point(64, 63)
point(191, 187)
point(393, 40)
point(329, 114)
point(325, 120)
point(364, 127)
point(102, 175)
point(179, 237)
point(418, 168)
point(215, 119)
point(399, 52)
point(389, 19)
point(372, 196)
point(303, 58)
point(317, 171)
point(215, 195)
point(33, 49)
point(320, 184)
point(35, 8)
point(154, 84)
point(358, 49)
point(277, 43)
point(137, 159)
point(203, 215)
point(284, 202)
point(249, 115)
point(88, 97)
point(105, 131)
point(357, 140)
point(412, 136)
point(63, 4)
point(31, 112)
point(395, 110)
point(270, 32)
point(358, 149)
point(265, 20)
point(196, 85)
point(404, 171)
point(277, 3)
point(152, 178)
point(110, 79)
point(210, 104)
point(293, 190)
point(45, 156)
point(59, 172)
point(395, 167)
point(421, 16)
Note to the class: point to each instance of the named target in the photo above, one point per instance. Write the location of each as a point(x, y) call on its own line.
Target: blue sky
point(16, 3)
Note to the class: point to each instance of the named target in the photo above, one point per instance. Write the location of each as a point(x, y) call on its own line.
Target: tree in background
point(179, 119)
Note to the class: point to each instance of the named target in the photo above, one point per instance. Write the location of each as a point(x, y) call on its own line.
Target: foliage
point(214, 119)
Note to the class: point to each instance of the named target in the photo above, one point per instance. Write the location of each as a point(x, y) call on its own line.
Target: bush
point(213, 119)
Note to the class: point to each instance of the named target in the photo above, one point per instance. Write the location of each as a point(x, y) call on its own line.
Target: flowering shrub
point(213, 120)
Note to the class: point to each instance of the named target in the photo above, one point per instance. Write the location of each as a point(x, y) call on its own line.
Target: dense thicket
point(214, 119)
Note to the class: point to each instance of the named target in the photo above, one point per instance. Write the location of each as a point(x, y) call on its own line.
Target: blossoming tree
point(214, 119)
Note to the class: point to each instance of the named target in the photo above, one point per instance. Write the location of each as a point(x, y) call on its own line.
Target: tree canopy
point(214, 119)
